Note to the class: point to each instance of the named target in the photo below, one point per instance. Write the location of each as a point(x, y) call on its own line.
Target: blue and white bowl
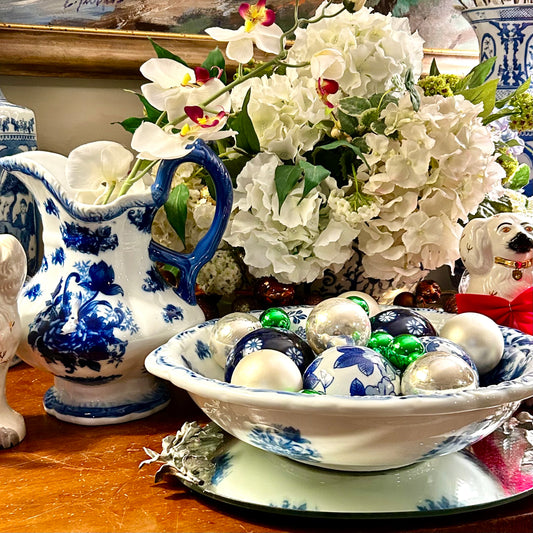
point(366, 433)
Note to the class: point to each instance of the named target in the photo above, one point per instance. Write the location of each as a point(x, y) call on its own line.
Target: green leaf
point(164, 53)
point(476, 76)
point(378, 127)
point(354, 105)
point(433, 69)
point(313, 176)
point(325, 125)
point(520, 90)
point(235, 166)
point(411, 87)
point(382, 100)
point(343, 144)
point(480, 72)
point(215, 61)
point(369, 116)
point(247, 137)
point(485, 94)
point(520, 178)
point(488, 207)
point(496, 116)
point(349, 5)
point(176, 209)
point(512, 142)
point(152, 114)
point(130, 124)
point(348, 123)
point(286, 178)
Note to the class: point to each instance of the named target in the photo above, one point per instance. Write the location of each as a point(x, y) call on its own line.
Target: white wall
point(70, 112)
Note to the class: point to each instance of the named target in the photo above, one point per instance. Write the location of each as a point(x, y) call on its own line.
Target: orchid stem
point(135, 175)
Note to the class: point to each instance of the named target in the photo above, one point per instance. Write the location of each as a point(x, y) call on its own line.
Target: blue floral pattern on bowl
point(286, 441)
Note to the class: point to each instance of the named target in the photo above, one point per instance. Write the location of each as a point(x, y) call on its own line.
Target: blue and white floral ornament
point(352, 371)
point(401, 321)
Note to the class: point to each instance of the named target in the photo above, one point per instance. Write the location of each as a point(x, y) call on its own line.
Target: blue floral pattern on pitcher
point(65, 330)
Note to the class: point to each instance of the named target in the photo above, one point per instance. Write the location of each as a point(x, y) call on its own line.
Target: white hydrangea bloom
point(428, 178)
point(377, 49)
point(295, 244)
point(283, 113)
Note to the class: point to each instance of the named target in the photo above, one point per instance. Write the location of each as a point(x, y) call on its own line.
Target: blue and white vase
point(506, 32)
point(98, 305)
point(18, 214)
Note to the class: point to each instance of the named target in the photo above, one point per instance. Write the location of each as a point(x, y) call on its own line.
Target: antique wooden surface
point(85, 52)
point(69, 478)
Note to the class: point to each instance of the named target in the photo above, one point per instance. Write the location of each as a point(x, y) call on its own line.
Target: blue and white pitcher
point(98, 305)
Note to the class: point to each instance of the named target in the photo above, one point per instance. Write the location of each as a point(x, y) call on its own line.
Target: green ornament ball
point(275, 317)
point(362, 302)
point(404, 350)
point(310, 391)
point(380, 341)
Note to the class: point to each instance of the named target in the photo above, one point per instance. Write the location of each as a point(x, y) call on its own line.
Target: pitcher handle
point(190, 264)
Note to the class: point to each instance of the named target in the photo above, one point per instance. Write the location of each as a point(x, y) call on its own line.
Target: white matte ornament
point(268, 369)
point(228, 331)
point(479, 335)
point(436, 372)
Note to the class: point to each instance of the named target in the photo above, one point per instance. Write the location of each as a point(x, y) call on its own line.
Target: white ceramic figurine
point(498, 254)
point(12, 275)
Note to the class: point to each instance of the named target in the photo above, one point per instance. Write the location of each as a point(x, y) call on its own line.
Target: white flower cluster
point(222, 275)
point(295, 244)
point(377, 49)
point(283, 113)
point(429, 171)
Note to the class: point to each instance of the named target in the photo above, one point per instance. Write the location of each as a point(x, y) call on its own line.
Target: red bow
point(517, 313)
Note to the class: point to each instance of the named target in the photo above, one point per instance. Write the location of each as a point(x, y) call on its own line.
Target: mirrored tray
point(492, 472)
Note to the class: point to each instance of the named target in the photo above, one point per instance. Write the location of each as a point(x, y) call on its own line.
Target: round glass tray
point(492, 472)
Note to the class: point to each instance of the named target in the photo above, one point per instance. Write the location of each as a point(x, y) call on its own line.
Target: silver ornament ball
point(227, 331)
point(438, 372)
point(337, 322)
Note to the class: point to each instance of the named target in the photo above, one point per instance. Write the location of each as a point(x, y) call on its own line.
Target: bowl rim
point(163, 362)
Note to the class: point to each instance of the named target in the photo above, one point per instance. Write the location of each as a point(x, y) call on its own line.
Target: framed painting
point(110, 37)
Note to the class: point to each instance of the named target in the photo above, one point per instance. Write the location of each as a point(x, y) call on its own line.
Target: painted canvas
point(438, 21)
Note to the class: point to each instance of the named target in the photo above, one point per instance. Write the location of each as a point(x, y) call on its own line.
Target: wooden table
point(69, 478)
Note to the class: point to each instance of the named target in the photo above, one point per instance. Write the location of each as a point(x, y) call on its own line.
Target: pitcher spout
point(45, 176)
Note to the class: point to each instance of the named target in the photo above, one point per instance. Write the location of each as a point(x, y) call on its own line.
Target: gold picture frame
point(28, 50)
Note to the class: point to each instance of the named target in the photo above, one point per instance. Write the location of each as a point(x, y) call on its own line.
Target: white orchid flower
point(258, 29)
point(92, 168)
point(175, 86)
point(153, 142)
point(328, 64)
